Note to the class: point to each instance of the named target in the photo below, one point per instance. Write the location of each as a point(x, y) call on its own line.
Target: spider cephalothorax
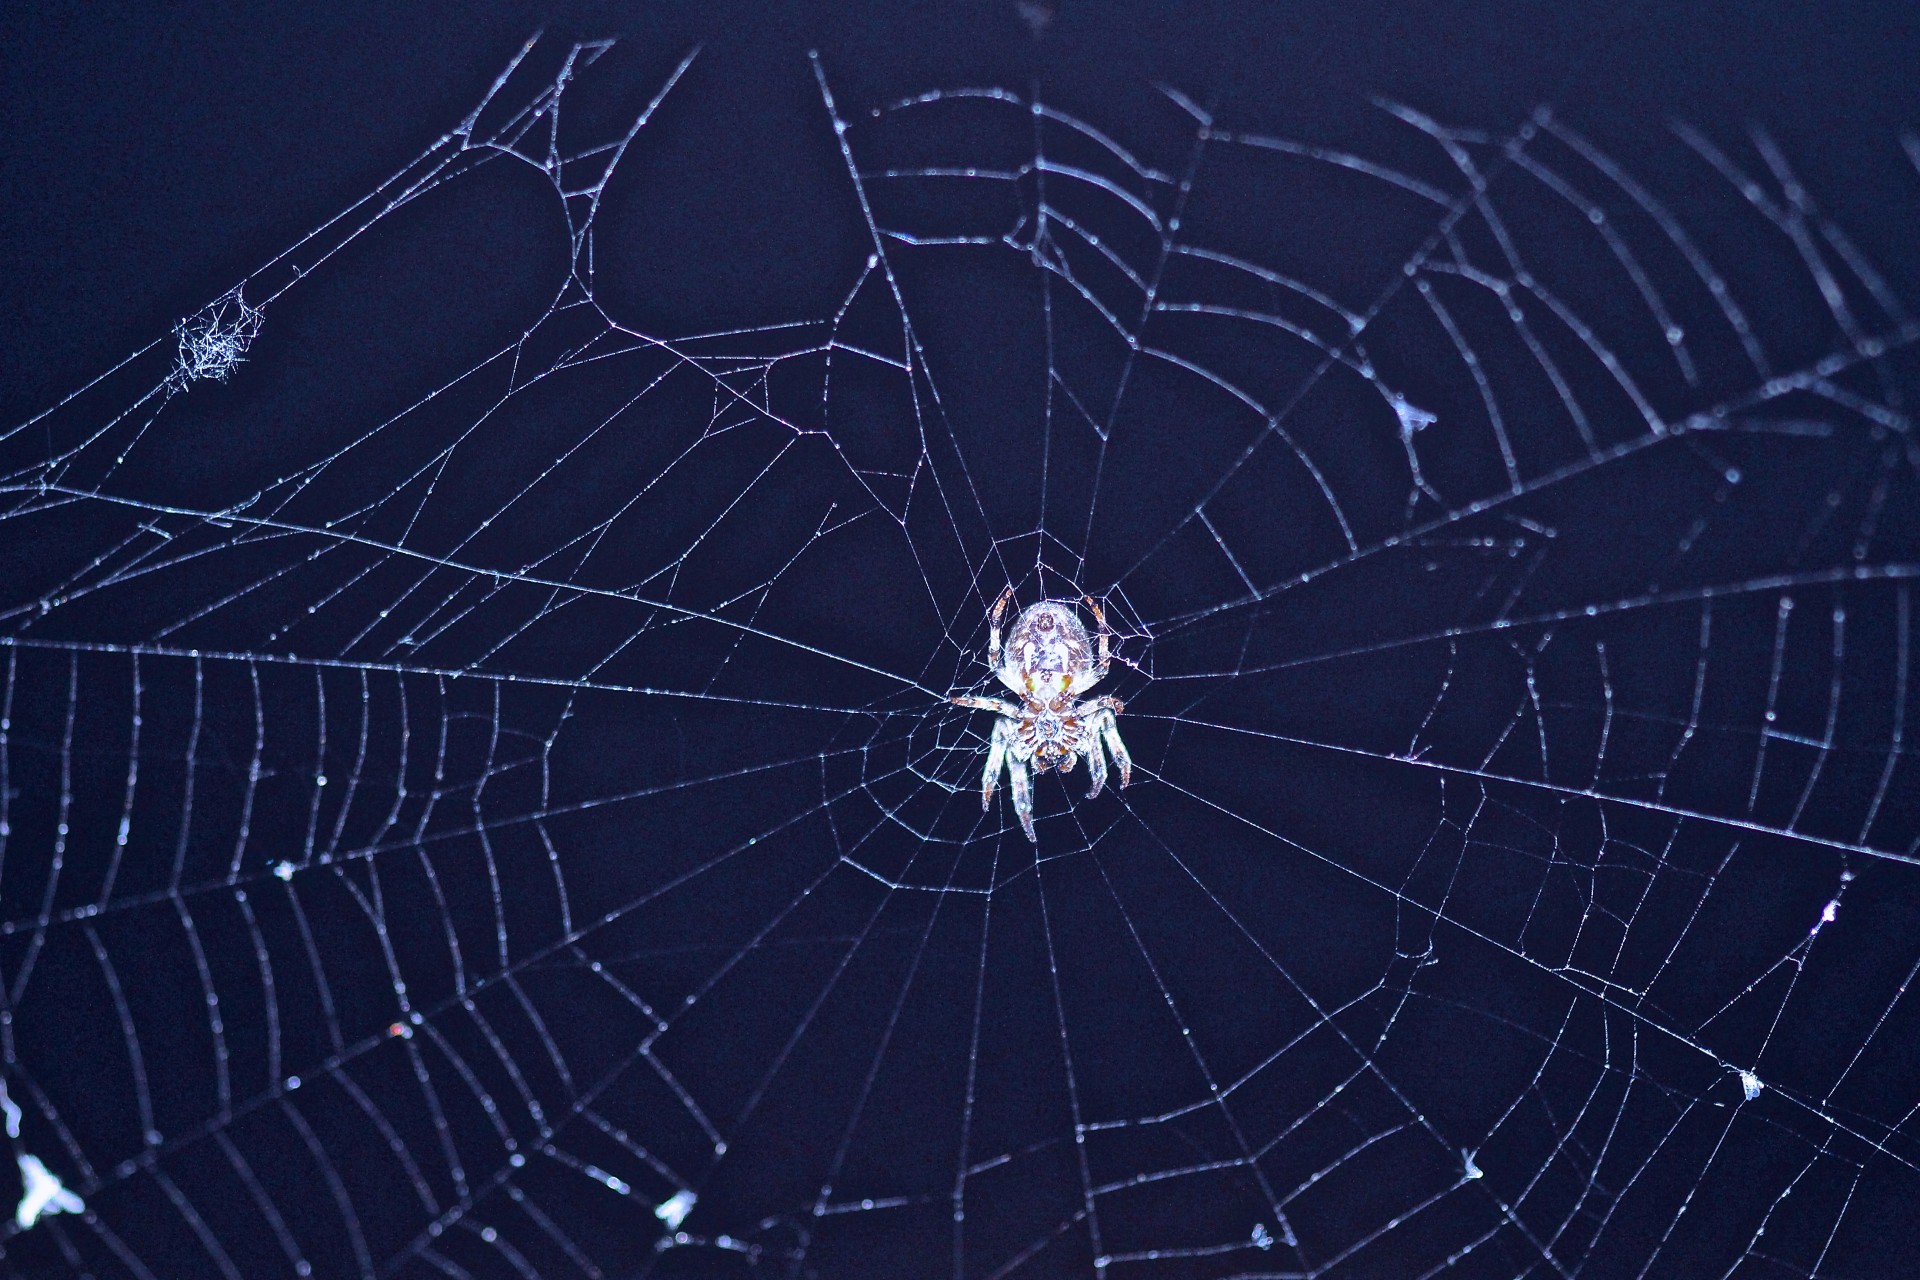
point(1047, 661)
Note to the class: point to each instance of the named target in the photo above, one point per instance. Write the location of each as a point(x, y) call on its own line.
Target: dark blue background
point(150, 160)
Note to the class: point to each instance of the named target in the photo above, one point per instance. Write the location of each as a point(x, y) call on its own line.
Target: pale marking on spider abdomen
point(1049, 640)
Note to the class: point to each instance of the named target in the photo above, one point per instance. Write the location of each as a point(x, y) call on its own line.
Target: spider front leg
point(1095, 674)
point(993, 628)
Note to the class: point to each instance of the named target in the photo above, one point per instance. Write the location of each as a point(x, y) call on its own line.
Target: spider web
point(514, 824)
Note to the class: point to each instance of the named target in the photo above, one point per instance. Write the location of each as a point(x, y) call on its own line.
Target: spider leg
point(1100, 616)
point(1096, 761)
point(993, 628)
point(1100, 719)
point(1098, 672)
point(985, 704)
point(996, 757)
point(1022, 795)
point(1103, 728)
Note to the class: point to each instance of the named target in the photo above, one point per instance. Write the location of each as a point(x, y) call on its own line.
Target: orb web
point(499, 813)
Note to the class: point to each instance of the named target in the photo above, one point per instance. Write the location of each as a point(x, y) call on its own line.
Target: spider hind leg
point(1096, 764)
point(1022, 796)
point(990, 776)
point(1101, 725)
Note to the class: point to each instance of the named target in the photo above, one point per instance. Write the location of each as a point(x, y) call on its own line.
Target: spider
point(1049, 660)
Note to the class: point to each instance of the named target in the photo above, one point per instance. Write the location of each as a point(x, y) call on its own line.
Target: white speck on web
point(674, 1210)
point(42, 1194)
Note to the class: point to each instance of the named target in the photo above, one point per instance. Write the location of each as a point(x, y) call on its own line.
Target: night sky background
point(480, 816)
